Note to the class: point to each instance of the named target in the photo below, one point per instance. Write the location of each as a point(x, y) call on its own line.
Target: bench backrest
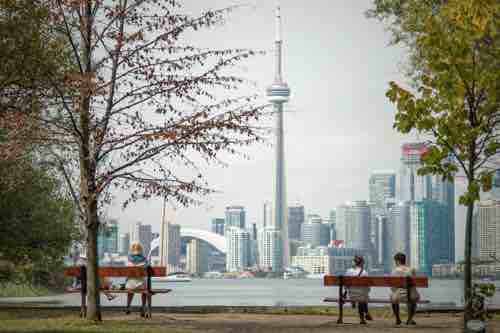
point(112, 271)
point(376, 281)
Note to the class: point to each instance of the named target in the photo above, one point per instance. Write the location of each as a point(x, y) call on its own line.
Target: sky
point(338, 123)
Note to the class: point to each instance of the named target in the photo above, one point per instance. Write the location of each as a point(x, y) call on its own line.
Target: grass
point(22, 290)
point(63, 321)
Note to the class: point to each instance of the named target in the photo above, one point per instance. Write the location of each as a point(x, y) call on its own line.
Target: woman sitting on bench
point(360, 294)
point(136, 258)
point(401, 294)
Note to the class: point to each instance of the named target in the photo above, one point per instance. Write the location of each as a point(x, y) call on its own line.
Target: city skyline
point(334, 142)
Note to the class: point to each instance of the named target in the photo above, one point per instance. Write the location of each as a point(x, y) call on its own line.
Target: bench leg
point(341, 313)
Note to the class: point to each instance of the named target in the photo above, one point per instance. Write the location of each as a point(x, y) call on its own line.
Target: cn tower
point(278, 94)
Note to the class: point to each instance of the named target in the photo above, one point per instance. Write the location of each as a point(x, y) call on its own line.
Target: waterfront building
point(107, 238)
point(487, 235)
point(382, 186)
point(443, 192)
point(238, 249)
point(174, 246)
point(384, 255)
point(124, 244)
point(314, 264)
point(324, 233)
point(411, 185)
point(270, 252)
point(267, 215)
point(296, 217)
point(353, 225)
point(143, 234)
point(278, 94)
point(399, 227)
point(235, 217)
point(427, 219)
point(311, 230)
point(333, 224)
point(196, 257)
point(218, 226)
point(325, 260)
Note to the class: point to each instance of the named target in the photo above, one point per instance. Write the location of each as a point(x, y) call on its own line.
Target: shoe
point(411, 322)
point(142, 313)
point(398, 322)
point(127, 311)
point(362, 322)
point(368, 317)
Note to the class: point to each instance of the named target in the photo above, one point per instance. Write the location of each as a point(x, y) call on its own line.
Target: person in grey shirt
point(399, 295)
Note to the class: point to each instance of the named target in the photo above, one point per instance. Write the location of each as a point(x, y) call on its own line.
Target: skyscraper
point(267, 216)
point(270, 249)
point(443, 192)
point(333, 224)
point(142, 233)
point(124, 244)
point(311, 230)
point(488, 230)
point(399, 220)
point(295, 220)
point(196, 257)
point(382, 186)
point(235, 217)
point(278, 94)
point(411, 186)
point(353, 222)
point(218, 226)
point(238, 249)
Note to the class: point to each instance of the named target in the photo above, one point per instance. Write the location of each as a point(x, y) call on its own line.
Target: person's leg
point(143, 307)
point(395, 310)
point(367, 314)
point(361, 310)
point(130, 297)
point(412, 309)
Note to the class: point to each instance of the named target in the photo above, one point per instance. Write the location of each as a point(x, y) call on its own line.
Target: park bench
point(129, 272)
point(371, 281)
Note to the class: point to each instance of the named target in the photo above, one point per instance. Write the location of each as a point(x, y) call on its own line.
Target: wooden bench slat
point(370, 300)
point(376, 281)
point(110, 271)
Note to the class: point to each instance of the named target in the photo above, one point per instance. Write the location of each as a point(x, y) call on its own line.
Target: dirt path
point(255, 323)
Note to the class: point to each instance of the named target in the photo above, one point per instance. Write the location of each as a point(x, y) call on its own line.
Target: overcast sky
point(339, 125)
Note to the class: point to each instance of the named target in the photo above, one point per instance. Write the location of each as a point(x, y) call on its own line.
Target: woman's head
point(358, 261)
point(400, 259)
point(136, 248)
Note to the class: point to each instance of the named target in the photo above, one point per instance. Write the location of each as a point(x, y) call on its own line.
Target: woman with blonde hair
point(136, 259)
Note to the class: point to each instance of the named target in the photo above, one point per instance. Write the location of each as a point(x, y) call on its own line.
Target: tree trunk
point(468, 265)
point(93, 295)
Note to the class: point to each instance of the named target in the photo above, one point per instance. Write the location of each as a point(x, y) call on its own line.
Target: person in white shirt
point(401, 294)
point(359, 294)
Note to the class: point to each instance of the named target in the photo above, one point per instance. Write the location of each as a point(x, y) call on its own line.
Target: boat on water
point(173, 277)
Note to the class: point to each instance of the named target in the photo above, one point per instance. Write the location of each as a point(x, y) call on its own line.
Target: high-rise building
point(278, 94)
point(487, 235)
point(124, 244)
point(270, 249)
point(399, 227)
point(384, 254)
point(218, 226)
point(196, 257)
point(333, 224)
point(235, 217)
point(174, 246)
point(411, 185)
point(238, 249)
point(353, 225)
point(426, 234)
point(142, 233)
point(107, 238)
point(295, 220)
point(443, 192)
point(325, 233)
point(382, 186)
point(311, 230)
point(267, 216)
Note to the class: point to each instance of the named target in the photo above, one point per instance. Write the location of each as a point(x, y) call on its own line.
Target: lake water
point(272, 292)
